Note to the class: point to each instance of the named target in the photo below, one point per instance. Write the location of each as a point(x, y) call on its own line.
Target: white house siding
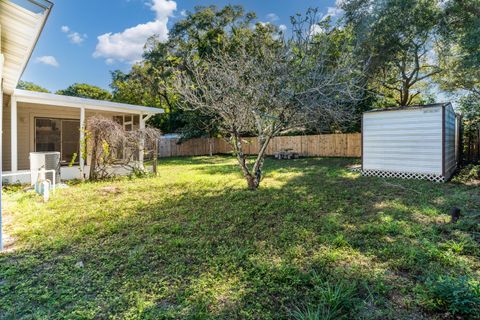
point(27, 112)
point(403, 141)
point(450, 141)
point(6, 157)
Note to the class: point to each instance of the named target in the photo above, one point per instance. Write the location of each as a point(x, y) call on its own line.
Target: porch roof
point(75, 102)
point(21, 22)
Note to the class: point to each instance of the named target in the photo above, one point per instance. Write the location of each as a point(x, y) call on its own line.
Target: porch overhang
point(45, 104)
point(21, 23)
point(53, 100)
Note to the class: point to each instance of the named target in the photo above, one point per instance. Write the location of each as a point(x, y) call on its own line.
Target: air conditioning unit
point(47, 161)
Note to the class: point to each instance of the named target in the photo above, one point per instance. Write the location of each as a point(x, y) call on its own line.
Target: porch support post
point(141, 148)
point(82, 142)
point(2, 59)
point(13, 134)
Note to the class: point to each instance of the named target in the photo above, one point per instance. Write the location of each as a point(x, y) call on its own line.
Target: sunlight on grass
point(216, 293)
point(194, 243)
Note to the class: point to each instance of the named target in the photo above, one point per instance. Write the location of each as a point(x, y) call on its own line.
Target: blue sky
point(84, 40)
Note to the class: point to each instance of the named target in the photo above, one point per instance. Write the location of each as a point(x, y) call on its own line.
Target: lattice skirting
point(403, 175)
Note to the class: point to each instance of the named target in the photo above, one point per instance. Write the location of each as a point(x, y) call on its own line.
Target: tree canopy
point(397, 38)
point(150, 82)
point(406, 51)
point(30, 86)
point(83, 90)
point(460, 29)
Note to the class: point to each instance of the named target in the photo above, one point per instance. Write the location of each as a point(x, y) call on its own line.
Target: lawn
point(316, 241)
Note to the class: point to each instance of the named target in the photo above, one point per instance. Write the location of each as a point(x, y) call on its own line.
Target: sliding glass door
point(62, 135)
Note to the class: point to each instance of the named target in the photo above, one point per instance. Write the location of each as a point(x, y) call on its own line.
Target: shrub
point(457, 295)
point(469, 173)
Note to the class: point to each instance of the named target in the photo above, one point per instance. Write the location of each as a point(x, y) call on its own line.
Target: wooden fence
point(325, 145)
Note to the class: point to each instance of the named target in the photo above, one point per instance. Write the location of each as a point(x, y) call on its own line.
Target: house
point(415, 142)
point(37, 122)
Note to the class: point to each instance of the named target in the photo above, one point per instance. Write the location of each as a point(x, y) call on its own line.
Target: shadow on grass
point(216, 252)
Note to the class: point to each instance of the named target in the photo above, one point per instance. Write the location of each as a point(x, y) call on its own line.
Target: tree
point(460, 30)
point(398, 38)
point(150, 82)
point(264, 84)
point(83, 90)
point(30, 86)
point(470, 109)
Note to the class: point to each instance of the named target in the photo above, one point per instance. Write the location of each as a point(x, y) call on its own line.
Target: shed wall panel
point(403, 140)
point(450, 141)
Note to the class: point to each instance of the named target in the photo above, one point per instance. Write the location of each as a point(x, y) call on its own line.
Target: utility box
point(47, 161)
point(415, 142)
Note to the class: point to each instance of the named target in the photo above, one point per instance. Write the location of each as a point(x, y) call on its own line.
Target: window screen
point(60, 135)
point(70, 140)
point(48, 135)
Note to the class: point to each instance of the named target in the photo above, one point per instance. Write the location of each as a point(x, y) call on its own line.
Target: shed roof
point(420, 106)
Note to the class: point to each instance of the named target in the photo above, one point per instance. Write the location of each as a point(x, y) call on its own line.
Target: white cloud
point(48, 60)
point(183, 13)
point(74, 37)
point(128, 45)
point(334, 12)
point(272, 17)
point(315, 29)
point(282, 28)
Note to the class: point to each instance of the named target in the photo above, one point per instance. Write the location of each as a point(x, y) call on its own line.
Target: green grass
point(314, 242)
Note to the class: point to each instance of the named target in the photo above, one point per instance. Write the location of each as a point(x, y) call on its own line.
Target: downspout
point(2, 59)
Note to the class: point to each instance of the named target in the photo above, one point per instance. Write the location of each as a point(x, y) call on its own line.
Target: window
point(62, 135)
point(118, 119)
point(128, 122)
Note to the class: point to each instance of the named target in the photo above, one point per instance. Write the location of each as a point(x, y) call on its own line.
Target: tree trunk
point(252, 183)
point(405, 95)
point(258, 165)
point(255, 176)
point(242, 162)
point(93, 164)
point(155, 157)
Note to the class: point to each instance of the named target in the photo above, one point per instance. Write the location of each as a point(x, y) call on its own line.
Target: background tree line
point(412, 49)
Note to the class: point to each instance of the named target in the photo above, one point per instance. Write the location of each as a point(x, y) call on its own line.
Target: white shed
point(415, 142)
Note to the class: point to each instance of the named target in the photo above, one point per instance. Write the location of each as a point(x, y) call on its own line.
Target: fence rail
point(325, 145)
